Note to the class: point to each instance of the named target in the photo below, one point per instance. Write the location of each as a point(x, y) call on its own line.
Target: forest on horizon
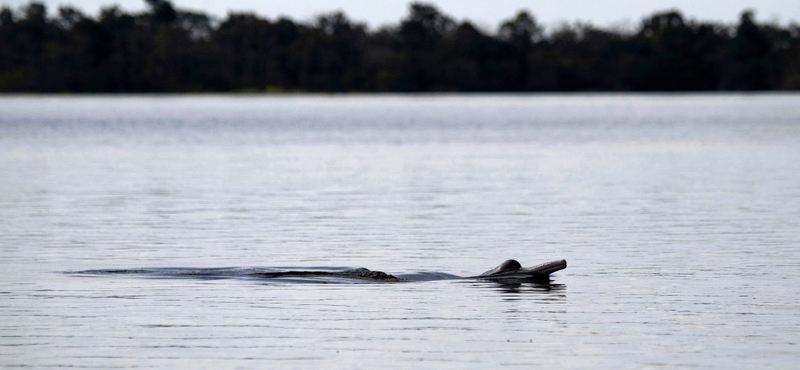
point(164, 49)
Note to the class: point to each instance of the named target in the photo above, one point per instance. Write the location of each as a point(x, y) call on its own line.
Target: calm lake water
point(679, 216)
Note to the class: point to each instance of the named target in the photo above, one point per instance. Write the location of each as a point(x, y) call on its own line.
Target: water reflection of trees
point(169, 49)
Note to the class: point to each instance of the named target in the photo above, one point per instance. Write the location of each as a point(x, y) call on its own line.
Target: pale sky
point(485, 13)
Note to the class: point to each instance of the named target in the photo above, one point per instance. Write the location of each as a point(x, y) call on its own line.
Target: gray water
point(679, 216)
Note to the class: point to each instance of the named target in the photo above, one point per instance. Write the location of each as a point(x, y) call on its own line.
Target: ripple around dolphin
point(509, 271)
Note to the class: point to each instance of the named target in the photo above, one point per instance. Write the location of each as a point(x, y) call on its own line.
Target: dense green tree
point(520, 33)
point(675, 55)
point(790, 55)
point(166, 49)
point(755, 64)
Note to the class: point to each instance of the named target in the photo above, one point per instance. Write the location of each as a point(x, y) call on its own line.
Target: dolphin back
point(506, 266)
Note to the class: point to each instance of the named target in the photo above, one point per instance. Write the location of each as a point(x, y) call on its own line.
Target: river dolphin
point(508, 271)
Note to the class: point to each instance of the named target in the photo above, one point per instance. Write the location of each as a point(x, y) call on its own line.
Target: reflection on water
point(530, 288)
point(549, 292)
point(679, 216)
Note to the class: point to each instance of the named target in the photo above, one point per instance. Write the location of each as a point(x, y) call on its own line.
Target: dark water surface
point(679, 216)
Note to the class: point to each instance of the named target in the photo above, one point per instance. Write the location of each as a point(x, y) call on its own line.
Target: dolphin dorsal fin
point(506, 266)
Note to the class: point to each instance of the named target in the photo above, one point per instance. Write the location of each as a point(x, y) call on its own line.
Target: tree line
point(164, 49)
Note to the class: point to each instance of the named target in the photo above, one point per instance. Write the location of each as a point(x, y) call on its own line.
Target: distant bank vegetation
point(165, 49)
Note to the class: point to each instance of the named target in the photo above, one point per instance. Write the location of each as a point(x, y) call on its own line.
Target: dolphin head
point(512, 270)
